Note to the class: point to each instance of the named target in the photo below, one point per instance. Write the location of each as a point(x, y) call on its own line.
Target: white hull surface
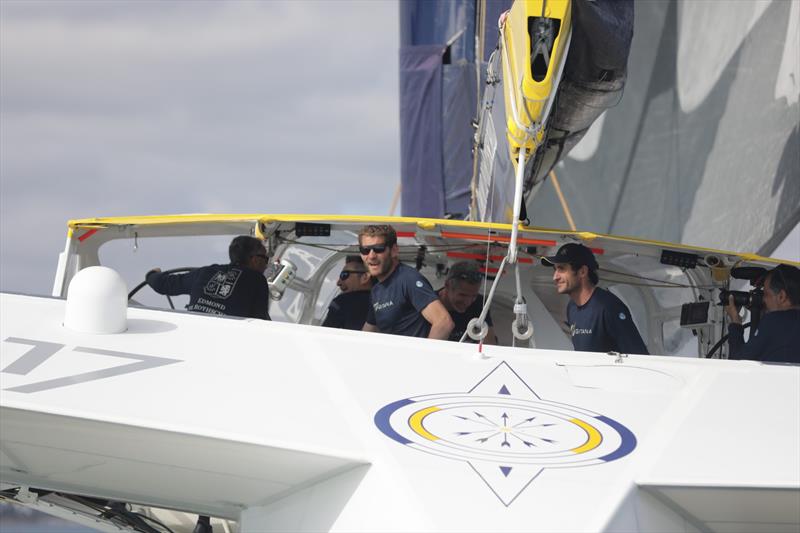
point(290, 427)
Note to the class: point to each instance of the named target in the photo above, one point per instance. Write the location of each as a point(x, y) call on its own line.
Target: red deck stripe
point(87, 235)
point(406, 234)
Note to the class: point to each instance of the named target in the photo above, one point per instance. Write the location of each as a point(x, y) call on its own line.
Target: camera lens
point(740, 298)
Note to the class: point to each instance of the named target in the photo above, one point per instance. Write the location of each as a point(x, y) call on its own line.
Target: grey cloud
point(111, 108)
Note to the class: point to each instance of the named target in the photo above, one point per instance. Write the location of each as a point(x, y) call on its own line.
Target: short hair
point(379, 230)
point(242, 248)
point(785, 278)
point(356, 259)
point(467, 271)
point(593, 277)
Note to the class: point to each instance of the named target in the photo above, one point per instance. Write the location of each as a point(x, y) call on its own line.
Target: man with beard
point(403, 302)
point(460, 297)
point(349, 309)
point(598, 320)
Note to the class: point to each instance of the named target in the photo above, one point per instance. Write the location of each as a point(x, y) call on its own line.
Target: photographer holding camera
point(777, 336)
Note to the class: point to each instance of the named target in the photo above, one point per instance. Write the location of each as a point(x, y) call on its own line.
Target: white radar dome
point(97, 302)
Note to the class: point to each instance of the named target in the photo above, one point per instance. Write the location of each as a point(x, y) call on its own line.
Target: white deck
point(279, 421)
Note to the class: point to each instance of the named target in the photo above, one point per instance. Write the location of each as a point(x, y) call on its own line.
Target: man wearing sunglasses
point(403, 302)
point(460, 297)
point(236, 289)
point(777, 338)
point(349, 309)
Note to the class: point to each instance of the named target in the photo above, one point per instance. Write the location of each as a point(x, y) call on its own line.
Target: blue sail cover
point(438, 102)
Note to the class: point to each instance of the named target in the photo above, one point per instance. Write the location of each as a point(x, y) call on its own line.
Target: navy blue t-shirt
point(348, 310)
point(228, 290)
point(461, 320)
point(398, 301)
point(603, 324)
point(777, 338)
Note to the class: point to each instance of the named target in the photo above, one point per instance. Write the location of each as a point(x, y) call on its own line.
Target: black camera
point(753, 299)
point(750, 300)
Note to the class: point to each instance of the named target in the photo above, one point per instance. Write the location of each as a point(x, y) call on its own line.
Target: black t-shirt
point(217, 290)
point(348, 310)
point(777, 338)
point(603, 324)
point(461, 320)
point(398, 301)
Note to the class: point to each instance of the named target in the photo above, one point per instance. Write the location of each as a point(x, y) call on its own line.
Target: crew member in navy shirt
point(777, 338)
point(349, 309)
point(235, 289)
point(403, 302)
point(597, 319)
point(460, 297)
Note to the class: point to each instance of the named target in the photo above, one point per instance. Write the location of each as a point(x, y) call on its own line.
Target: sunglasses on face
point(377, 248)
point(344, 274)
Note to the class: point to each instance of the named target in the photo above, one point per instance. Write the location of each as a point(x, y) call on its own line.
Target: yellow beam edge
point(425, 223)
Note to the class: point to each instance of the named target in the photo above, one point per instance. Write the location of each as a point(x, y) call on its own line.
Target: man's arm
point(171, 285)
point(441, 323)
point(735, 341)
point(735, 331)
point(623, 331)
point(370, 323)
point(760, 343)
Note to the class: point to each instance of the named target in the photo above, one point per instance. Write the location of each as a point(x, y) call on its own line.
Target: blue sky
point(130, 108)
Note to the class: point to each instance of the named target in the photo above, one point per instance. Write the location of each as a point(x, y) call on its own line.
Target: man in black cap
point(597, 319)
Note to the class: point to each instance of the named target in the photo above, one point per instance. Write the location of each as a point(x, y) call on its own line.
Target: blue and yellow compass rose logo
point(505, 431)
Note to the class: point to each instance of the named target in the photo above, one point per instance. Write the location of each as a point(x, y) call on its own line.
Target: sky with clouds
point(144, 107)
point(113, 108)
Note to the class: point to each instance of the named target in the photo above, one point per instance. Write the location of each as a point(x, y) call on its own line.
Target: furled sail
point(445, 49)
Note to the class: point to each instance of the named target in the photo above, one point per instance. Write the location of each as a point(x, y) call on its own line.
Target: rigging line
point(667, 282)
point(395, 199)
point(489, 242)
point(564, 206)
point(652, 285)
